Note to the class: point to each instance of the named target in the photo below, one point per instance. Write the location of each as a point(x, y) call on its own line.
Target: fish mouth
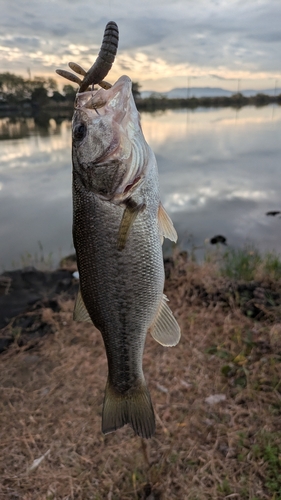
point(101, 102)
point(113, 122)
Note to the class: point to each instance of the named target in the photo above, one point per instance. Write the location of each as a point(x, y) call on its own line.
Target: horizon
point(212, 87)
point(239, 87)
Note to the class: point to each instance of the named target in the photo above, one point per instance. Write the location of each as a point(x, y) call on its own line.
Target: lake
point(220, 172)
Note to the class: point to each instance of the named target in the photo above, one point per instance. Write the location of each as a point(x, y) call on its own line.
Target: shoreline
point(26, 292)
point(149, 104)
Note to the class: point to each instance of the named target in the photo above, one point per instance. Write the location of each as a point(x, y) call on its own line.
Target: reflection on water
point(18, 128)
point(219, 174)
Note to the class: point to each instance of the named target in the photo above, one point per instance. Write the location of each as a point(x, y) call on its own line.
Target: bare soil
point(217, 396)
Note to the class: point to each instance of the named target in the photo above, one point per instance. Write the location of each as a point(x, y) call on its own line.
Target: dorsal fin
point(165, 224)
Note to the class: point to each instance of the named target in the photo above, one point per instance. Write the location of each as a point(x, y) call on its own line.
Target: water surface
point(220, 172)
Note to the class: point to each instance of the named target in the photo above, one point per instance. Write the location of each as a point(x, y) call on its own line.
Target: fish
point(119, 224)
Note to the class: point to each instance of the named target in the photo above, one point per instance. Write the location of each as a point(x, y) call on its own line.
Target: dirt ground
point(217, 398)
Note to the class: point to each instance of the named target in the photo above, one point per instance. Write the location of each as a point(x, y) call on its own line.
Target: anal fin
point(80, 312)
point(165, 328)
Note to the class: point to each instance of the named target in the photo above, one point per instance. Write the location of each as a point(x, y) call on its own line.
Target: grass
point(265, 449)
point(248, 263)
point(51, 398)
point(39, 260)
point(45, 261)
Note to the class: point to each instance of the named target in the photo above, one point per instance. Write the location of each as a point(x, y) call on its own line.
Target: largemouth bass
point(118, 228)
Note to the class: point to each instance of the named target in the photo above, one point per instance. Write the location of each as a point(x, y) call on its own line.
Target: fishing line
point(110, 8)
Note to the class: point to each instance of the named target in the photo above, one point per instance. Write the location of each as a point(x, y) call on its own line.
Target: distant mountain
point(150, 93)
point(179, 93)
point(198, 92)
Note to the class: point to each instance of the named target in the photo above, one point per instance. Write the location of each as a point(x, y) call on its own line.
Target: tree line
point(237, 101)
point(17, 93)
point(15, 89)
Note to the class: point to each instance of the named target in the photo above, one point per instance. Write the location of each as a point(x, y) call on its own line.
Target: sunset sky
point(163, 43)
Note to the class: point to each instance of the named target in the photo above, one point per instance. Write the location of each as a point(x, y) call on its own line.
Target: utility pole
point(238, 85)
point(188, 87)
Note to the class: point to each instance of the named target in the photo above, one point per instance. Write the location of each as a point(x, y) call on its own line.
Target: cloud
point(227, 39)
point(219, 77)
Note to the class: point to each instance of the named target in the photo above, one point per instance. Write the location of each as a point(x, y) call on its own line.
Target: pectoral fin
point(129, 216)
point(165, 224)
point(165, 328)
point(80, 312)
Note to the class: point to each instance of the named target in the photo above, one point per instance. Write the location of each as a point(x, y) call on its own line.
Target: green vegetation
point(39, 260)
point(14, 88)
point(136, 90)
point(268, 449)
point(265, 450)
point(246, 263)
point(237, 101)
point(17, 92)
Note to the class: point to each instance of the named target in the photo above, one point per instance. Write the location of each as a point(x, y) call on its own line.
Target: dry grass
point(51, 399)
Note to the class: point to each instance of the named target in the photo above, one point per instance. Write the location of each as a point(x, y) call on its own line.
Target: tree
point(136, 90)
point(69, 92)
point(16, 88)
point(49, 84)
point(39, 96)
point(12, 86)
point(57, 96)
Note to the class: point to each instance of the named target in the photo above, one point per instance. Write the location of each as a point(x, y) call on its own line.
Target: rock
point(23, 289)
point(215, 398)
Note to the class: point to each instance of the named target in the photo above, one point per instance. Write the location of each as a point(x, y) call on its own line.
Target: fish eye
point(79, 131)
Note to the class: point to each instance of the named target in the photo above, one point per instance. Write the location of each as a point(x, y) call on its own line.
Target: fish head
point(108, 146)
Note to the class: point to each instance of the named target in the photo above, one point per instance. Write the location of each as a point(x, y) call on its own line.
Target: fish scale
point(121, 286)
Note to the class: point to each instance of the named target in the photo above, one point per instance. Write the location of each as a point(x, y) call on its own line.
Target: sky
point(233, 44)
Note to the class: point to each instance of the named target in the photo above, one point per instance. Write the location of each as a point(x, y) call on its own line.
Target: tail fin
point(135, 409)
